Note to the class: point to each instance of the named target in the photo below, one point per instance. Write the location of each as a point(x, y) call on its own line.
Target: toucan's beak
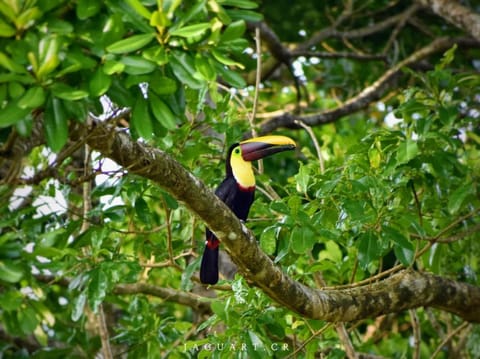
point(260, 147)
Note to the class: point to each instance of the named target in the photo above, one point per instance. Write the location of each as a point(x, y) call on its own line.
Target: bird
point(237, 190)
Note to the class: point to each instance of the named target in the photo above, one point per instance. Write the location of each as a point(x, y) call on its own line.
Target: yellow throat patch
point(242, 170)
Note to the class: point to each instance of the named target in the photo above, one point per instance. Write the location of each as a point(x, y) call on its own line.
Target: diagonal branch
point(404, 290)
point(368, 95)
point(457, 14)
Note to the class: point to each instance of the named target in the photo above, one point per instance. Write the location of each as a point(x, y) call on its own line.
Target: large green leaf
point(162, 112)
point(87, 8)
point(33, 98)
point(368, 249)
point(12, 114)
point(97, 288)
point(141, 121)
point(10, 272)
point(99, 83)
point(56, 124)
point(136, 65)
point(130, 44)
point(183, 67)
point(302, 240)
point(458, 197)
point(407, 150)
point(191, 30)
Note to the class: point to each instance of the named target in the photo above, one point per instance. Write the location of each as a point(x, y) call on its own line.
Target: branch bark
point(404, 290)
point(457, 14)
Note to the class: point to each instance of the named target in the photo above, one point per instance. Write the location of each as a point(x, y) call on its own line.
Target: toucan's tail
point(209, 265)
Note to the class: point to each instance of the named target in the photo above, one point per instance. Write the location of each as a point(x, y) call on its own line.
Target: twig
point(448, 338)
point(258, 78)
point(315, 143)
point(340, 327)
point(87, 206)
point(167, 263)
point(313, 336)
point(402, 20)
point(338, 55)
point(417, 338)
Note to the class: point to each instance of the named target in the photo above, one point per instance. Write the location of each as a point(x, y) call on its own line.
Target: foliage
point(387, 194)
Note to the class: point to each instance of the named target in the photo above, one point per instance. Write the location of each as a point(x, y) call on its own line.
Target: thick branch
point(457, 14)
point(197, 303)
point(402, 291)
point(365, 97)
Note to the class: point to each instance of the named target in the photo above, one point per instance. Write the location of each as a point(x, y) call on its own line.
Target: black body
point(239, 200)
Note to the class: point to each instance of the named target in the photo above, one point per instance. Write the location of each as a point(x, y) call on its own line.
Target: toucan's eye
point(237, 150)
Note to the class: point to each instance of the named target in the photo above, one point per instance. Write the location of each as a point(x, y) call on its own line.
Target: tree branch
point(199, 304)
point(457, 14)
point(404, 290)
point(366, 96)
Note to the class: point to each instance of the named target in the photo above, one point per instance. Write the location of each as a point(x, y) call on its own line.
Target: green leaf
point(191, 30)
point(242, 4)
point(246, 15)
point(10, 272)
point(11, 114)
point(87, 8)
point(162, 112)
point(255, 346)
point(48, 49)
point(204, 67)
point(27, 318)
point(368, 250)
point(407, 150)
point(169, 200)
point(136, 65)
point(56, 124)
point(33, 98)
point(302, 178)
point(130, 44)
point(156, 54)
point(162, 85)
point(27, 17)
point(141, 121)
point(302, 240)
point(11, 300)
point(9, 64)
point(435, 256)
point(6, 30)
point(139, 8)
point(233, 31)
point(113, 67)
point(99, 83)
point(268, 239)
point(331, 252)
point(184, 69)
point(403, 249)
point(68, 93)
point(97, 288)
point(233, 78)
point(142, 210)
point(78, 306)
point(220, 57)
point(458, 197)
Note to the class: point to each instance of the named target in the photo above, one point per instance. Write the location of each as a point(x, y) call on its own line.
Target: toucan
point(237, 190)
